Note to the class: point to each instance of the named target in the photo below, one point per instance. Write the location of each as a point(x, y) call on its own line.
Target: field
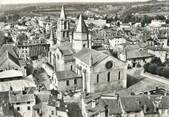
point(90, 9)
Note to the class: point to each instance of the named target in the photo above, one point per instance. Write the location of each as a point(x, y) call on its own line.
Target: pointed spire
point(81, 26)
point(62, 14)
point(51, 35)
point(51, 38)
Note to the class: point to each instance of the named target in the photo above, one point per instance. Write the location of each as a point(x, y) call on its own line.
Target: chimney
point(58, 104)
point(60, 96)
point(106, 110)
point(145, 108)
point(93, 103)
point(155, 107)
point(117, 96)
point(90, 40)
point(157, 89)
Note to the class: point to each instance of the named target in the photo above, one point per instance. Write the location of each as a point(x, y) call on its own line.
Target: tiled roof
point(21, 98)
point(23, 83)
point(85, 53)
point(10, 48)
point(113, 106)
point(137, 53)
point(10, 74)
point(65, 48)
point(49, 66)
point(64, 75)
point(163, 101)
point(22, 62)
point(4, 102)
point(130, 105)
point(74, 110)
point(8, 61)
point(43, 96)
point(68, 58)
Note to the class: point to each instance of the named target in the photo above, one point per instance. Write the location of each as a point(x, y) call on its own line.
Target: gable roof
point(81, 26)
point(86, 54)
point(66, 75)
point(74, 109)
point(65, 48)
point(138, 53)
point(10, 48)
point(22, 98)
point(8, 61)
point(138, 103)
point(129, 104)
point(113, 106)
point(10, 74)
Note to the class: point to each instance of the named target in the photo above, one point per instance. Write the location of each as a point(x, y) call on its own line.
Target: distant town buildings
point(83, 67)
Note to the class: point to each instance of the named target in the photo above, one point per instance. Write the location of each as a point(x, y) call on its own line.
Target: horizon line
point(73, 1)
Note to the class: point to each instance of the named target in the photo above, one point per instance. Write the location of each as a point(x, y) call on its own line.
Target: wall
point(90, 76)
point(24, 109)
point(62, 86)
point(80, 40)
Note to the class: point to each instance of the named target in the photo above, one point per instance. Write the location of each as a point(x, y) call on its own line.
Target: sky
point(42, 1)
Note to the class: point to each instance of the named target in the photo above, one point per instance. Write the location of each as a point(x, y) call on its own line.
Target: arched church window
point(119, 76)
point(97, 78)
point(108, 77)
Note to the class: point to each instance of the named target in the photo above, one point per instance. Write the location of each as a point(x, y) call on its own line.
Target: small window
point(18, 108)
point(84, 45)
point(67, 82)
point(75, 81)
point(28, 102)
point(29, 108)
point(71, 68)
point(52, 112)
point(119, 76)
point(57, 56)
point(97, 78)
point(108, 77)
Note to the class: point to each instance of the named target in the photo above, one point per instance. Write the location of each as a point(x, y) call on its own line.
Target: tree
point(21, 38)
point(146, 66)
point(160, 71)
point(146, 20)
point(156, 60)
point(160, 17)
point(166, 72)
point(167, 21)
point(152, 68)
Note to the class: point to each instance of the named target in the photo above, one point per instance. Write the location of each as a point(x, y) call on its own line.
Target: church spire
point(62, 14)
point(81, 26)
point(51, 38)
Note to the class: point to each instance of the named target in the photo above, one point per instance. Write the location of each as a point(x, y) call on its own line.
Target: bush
point(146, 66)
point(166, 72)
point(160, 71)
point(152, 68)
point(157, 61)
point(21, 38)
point(138, 65)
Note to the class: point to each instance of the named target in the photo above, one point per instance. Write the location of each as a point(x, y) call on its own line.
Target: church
point(99, 71)
point(63, 48)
